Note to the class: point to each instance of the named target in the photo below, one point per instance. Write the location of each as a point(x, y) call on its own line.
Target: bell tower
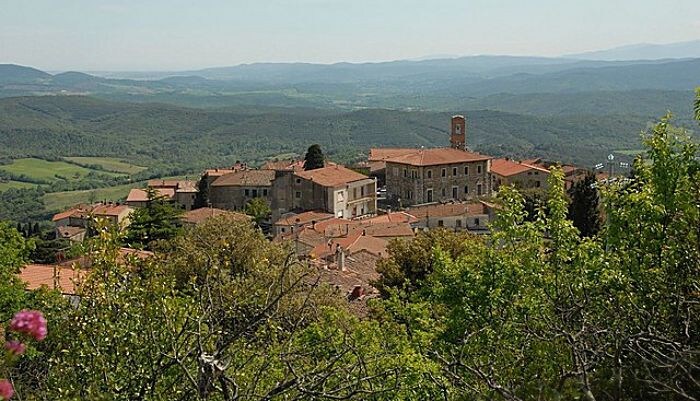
point(458, 133)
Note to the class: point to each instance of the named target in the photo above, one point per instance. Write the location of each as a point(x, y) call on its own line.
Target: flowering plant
point(26, 324)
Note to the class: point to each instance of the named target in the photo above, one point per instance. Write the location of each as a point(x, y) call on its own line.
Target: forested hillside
point(60, 126)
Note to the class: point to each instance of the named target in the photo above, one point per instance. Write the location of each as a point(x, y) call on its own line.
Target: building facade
point(437, 175)
point(233, 191)
point(519, 174)
point(333, 189)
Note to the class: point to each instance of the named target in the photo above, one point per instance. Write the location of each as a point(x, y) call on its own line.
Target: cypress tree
point(314, 158)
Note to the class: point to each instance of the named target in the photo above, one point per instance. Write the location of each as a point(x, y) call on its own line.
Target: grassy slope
point(109, 164)
point(15, 184)
point(56, 201)
point(48, 170)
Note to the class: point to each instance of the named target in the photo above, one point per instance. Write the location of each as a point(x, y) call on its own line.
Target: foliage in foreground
point(533, 312)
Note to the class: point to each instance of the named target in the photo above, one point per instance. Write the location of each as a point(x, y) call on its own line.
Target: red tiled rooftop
point(54, 277)
point(381, 154)
point(448, 209)
point(141, 195)
point(254, 178)
point(437, 156)
point(506, 167)
point(198, 216)
point(331, 176)
point(303, 218)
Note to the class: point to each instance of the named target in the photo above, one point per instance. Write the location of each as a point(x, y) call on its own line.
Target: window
point(478, 189)
point(284, 229)
point(466, 190)
point(466, 170)
point(354, 193)
point(444, 172)
point(264, 192)
point(537, 184)
point(430, 195)
point(298, 180)
point(458, 223)
point(395, 171)
point(441, 223)
point(476, 222)
point(255, 193)
point(430, 173)
point(247, 192)
point(537, 173)
point(405, 173)
point(444, 192)
point(478, 169)
point(454, 193)
point(454, 171)
point(362, 191)
point(297, 194)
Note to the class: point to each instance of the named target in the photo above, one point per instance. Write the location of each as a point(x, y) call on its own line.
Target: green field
point(57, 201)
point(15, 184)
point(39, 169)
point(109, 163)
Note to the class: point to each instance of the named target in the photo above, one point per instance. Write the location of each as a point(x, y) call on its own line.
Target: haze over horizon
point(181, 35)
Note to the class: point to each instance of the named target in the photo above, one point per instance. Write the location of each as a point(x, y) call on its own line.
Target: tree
point(584, 206)
point(202, 198)
point(14, 253)
point(314, 158)
point(697, 104)
point(259, 209)
point(158, 220)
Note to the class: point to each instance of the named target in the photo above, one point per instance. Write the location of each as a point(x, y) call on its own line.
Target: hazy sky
point(179, 34)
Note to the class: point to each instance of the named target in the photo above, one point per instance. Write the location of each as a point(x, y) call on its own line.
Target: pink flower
point(30, 322)
point(15, 347)
point(6, 390)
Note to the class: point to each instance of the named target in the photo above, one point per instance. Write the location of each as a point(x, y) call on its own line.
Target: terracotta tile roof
point(283, 165)
point(381, 154)
point(392, 217)
point(69, 231)
point(253, 178)
point(437, 156)
point(505, 167)
point(70, 212)
point(110, 210)
point(352, 244)
point(60, 278)
point(98, 209)
point(331, 176)
point(303, 218)
point(140, 195)
point(198, 216)
point(448, 209)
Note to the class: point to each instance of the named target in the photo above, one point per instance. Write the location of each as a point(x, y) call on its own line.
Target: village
point(337, 218)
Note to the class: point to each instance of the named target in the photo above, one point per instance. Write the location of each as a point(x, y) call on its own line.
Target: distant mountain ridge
point(643, 51)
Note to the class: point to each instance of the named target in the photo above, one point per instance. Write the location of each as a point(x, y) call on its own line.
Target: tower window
point(430, 173)
point(444, 172)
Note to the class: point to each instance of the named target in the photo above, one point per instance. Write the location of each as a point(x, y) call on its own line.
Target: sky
point(142, 35)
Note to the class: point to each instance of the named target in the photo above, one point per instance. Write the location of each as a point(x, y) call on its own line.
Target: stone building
point(181, 192)
point(519, 174)
point(437, 175)
point(458, 216)
point(415, 176)
point(234, 190)
point(332, 189)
